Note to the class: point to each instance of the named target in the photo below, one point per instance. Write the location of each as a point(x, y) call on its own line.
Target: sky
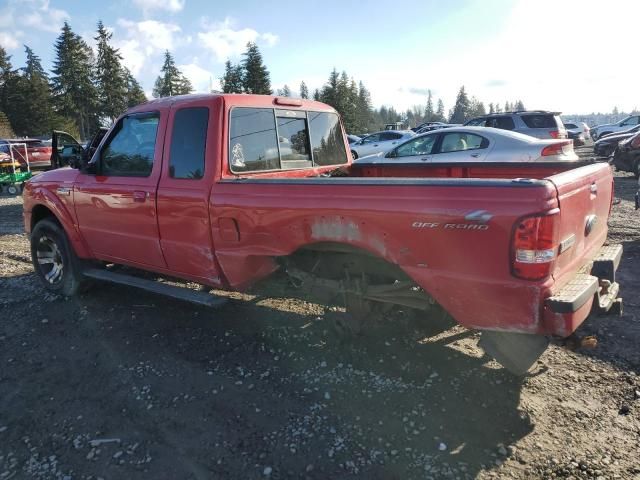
point(562, 55)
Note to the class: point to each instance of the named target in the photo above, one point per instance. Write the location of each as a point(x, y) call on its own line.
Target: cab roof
point(235, 99)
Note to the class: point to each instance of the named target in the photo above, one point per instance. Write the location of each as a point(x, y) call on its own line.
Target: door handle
point(425, 159)
point(375, 145)
point(140, 196)
point(475, 155)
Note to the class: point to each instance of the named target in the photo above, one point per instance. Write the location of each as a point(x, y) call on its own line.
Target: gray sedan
point(475, 144)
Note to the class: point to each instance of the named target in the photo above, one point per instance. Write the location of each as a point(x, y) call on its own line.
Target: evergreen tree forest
point(88, 88)
point(83, 90)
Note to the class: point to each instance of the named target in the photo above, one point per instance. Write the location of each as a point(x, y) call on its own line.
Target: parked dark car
point(608, 143)
point(427, 124)
point(627, 155)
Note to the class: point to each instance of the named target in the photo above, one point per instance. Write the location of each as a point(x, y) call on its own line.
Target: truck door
point(183, 192)
point(116, 205)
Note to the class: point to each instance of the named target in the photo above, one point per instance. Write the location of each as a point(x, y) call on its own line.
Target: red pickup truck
point(224, 190)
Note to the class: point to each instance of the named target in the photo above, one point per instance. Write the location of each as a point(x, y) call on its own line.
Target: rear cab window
point(504, 123)
point(268, 139)
point(540, 120)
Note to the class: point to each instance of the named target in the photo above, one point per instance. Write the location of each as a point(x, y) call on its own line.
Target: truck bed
point(422, 225)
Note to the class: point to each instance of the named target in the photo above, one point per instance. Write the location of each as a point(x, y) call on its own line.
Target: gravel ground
point(122, 384)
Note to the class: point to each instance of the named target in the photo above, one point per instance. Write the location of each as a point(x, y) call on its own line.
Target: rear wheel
point(54, 260)
point(13, 189)
point(354, 154)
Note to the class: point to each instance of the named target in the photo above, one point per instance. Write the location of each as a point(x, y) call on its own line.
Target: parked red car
point(224, 190)
point(38, 152)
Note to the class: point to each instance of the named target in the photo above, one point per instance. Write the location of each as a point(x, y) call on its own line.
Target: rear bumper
point(593, 289)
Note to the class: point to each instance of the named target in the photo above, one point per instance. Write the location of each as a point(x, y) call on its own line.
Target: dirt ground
point(119, 384)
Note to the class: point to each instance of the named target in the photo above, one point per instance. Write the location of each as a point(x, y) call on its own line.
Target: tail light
point(635, 143)
point(535, 246)
point(557, 148)
point(554, 133)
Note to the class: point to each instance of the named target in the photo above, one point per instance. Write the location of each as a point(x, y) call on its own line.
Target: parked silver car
point(379, 142)
point(537, 123)
point(475, 144)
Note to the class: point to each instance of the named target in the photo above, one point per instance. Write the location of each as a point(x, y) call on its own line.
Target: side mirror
point(89, 168)
point(391, 154)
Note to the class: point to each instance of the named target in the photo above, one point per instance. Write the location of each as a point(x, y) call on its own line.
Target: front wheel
point(54, 260)
point(354, 154)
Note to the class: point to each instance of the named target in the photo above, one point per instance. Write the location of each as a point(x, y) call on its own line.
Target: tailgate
point(584, 196)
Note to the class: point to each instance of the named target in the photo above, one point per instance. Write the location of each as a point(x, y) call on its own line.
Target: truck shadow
point(267, 382)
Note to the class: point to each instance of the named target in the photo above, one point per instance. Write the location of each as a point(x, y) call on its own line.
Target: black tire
point(13, 190)
point(354, 154)
point(63, 274)
point(636, 168)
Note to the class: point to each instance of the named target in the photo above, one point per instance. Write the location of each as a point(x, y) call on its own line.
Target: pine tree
point(134, 95)
point(111, 79)
point(363, 109)
point(329, 91)
point(461, 108)
point(440, 112)
point(507, 107)
point(284, 91)
point(171, 81)
point(6, 131)
point(74, 91)
point(429, 113)
point(316, 95)
point(29, 99)
point(7, 73)
point(476, 108)
point(520, 105)
point(304, 91)
point(491, 109)
point(231, 81)
point(256, 77)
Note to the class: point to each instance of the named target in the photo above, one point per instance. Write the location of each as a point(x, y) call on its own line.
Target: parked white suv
point(624, 124)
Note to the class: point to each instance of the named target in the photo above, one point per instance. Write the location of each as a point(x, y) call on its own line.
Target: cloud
point(201, 78)
point(495, 83)
point(10, 41)
point(225, 42)
point(417, 91)
point(35, 14)
point(150, 6)
point(143, 40)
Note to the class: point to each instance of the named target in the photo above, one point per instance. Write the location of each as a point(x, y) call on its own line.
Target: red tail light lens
point(554, 133)
point(535, 246)
point(555, 148)
point(635, 143)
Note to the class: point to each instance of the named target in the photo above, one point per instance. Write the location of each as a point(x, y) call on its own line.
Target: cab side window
point(457, 142)
point(477, 122)
point(417, 146)
point(129, 152)
point(188, 142)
